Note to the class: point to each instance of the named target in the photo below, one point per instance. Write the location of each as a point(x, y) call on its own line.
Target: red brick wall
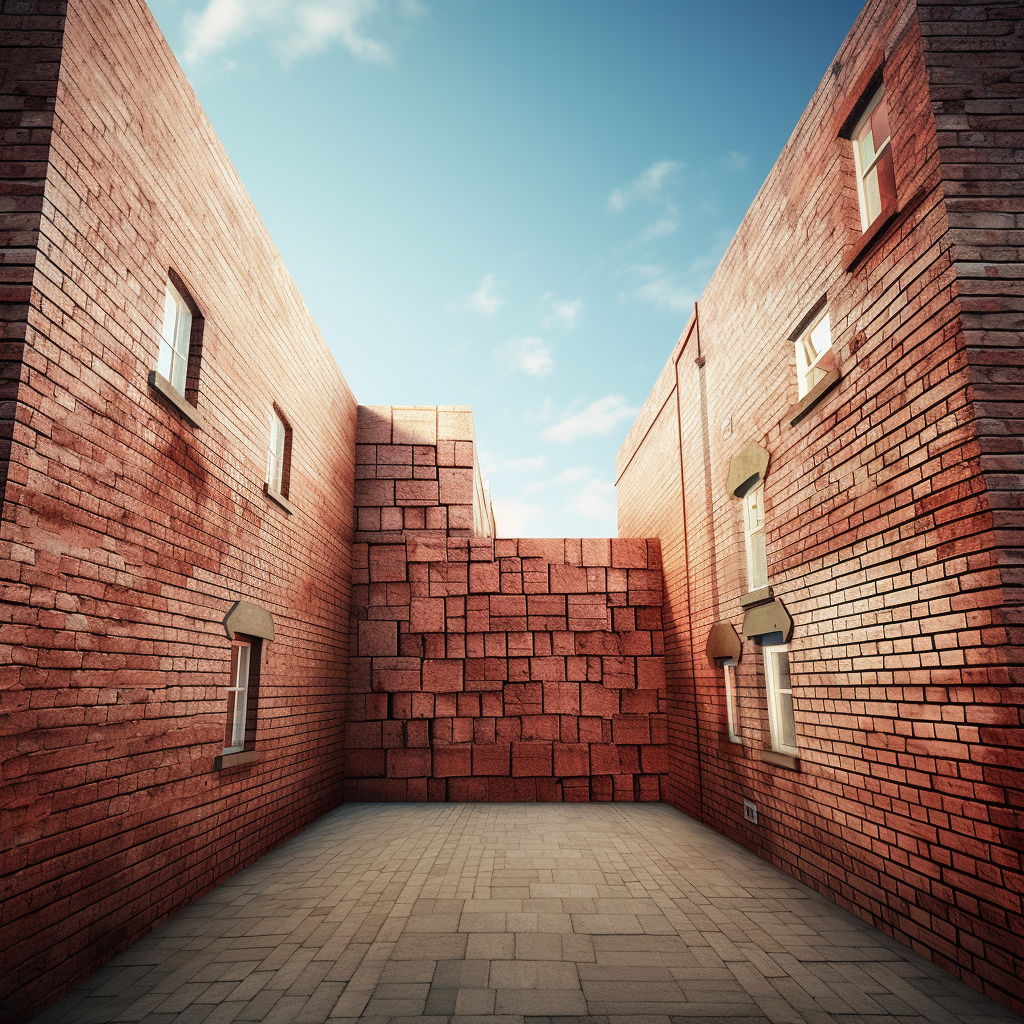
point(127, 533)
point(973, 55)
point(492, 669)
point(891, 507)
point(29, 67)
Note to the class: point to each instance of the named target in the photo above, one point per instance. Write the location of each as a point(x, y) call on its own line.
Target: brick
point(531, 758)
point(453, 761)
point(442, 675)
point(387, 562)
point(427, 615)
point(561, 698)
point(491, 759)
point(378, 638)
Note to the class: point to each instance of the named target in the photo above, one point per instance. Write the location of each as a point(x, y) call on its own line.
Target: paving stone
point(557, 1001)
point(517, 914)
point(490, 946)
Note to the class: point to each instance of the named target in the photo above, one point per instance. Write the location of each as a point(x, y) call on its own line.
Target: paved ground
point(517, 914)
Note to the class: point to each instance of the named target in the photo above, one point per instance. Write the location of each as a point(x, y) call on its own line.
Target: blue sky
point(509, 204)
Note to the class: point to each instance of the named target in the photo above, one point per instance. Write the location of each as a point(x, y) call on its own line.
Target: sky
point(508, 204)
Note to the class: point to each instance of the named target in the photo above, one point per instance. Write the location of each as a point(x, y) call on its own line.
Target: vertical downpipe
point(686, 535)
point(709, 513)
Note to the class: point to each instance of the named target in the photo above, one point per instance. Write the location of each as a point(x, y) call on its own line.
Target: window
point(732, 709)
point(172, 363)
point(279, 458)
point(275, 454)
point(872, 154)
point(753, 532)
point(240, 725)
point(780, 700)
point(814, 357)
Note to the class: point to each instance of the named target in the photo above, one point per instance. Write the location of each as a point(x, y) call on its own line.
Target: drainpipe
point(686, 534)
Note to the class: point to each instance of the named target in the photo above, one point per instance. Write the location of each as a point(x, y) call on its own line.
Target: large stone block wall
point(492, 669)
point(127, 533)
point(890, 506)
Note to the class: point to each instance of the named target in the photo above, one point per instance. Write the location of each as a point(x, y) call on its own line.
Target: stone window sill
point(781, 760)
point(813, 397)
point(757, 597)
point(235, 760)
point(163, 387)
point(278, 498)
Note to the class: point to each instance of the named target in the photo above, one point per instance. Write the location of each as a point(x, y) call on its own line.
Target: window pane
point(753, 507)
point(880, 123)
point(184, 330)
point(780, 700)
point(886, 179)
point(782, 671)
point(277, 442)
point(867, 147)
point(179, 371)
point(821, 336)
point(732, 709)
point(234, 732)
point(275, 453)
point(787, 727)
point(229, 729)
point(872, 196)
point(758, 561)
point(163, 362)
point(176, 332)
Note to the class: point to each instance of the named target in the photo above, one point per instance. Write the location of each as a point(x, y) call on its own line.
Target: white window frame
point(867, 167)
point(813, 364)
point(779, 687)
point(175, 337)
point(276, 452)
point(732, 709)
point(754, 537)
point(238, 697)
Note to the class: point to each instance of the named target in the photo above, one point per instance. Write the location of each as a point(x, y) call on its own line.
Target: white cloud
point(295, 28)
point(574, 474)
point(526, 464)
point(734, 161)
point(563, 313)
point(514, 516)
point(599, 419)
point(596, 501)
point(531, 355)
point(648, 187)
point(659, 287)
point(660, 229)
point(486, 299)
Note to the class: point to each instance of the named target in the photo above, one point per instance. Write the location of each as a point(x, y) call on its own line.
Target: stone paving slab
point(517, 914)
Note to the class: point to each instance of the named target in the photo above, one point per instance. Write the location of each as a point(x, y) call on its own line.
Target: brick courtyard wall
point(488, 668)
point(892, 506)
point(29, 67)
point(127, 533)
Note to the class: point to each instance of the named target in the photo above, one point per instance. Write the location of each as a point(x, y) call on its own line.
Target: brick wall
point(891, 507)
point(127, 533)
point(29, 67)
point(491, 669)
